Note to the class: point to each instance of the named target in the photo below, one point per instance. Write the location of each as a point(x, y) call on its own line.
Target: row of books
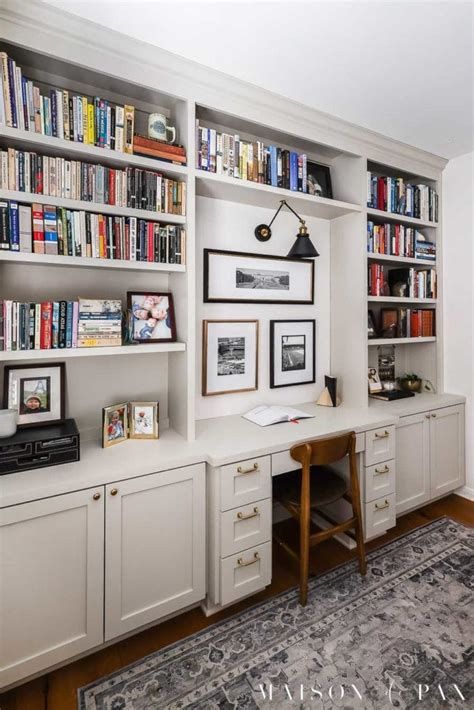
point(407, 283)
point(61, 113)
point(154, 148)
point(46, 229)
point(407, 323)
point(397, 195)
point(399, 240)
point(60, 324)
point(227, 154)
point(30, 172)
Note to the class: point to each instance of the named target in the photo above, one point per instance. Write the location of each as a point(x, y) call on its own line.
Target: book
point(25, 223)
point(392, 395)
point(266, 416)
point(14, 226)
point(38, 228)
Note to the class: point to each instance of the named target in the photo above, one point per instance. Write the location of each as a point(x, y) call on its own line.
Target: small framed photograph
point(239, 277)
point(374, 381)
point(230, 356)
point(114, 424)
point(371, 329)
point(292, 352)
point(36, 392)
point(151, 317)
point(318, 180)
point(144, 420)
point(389, 322)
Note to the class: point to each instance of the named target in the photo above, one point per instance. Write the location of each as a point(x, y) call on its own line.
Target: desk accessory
point(40, 447)
point(36, 392)
point(392, 395)
point(266, 416)
point(303, 247)
point(8, 418)
point(329, 397)
point(292, 352)
point(230, 356)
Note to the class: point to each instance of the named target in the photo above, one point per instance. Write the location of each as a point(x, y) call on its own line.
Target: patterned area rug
point(398, 638)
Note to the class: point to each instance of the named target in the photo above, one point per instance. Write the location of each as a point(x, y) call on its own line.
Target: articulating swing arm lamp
point(303, 246)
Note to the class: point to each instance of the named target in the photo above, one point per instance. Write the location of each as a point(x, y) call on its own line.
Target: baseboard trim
point(465, 492)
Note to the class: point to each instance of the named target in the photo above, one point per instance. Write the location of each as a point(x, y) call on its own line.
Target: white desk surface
point(218, 441)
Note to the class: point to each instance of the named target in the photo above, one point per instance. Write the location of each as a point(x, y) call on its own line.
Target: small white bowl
point(8, 419)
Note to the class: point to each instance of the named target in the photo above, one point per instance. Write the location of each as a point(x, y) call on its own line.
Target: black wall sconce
point(303, 248)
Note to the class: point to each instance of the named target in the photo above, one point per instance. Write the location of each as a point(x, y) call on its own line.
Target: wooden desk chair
point(314, 487)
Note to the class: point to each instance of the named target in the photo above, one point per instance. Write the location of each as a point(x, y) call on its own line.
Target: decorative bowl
point(410, 385)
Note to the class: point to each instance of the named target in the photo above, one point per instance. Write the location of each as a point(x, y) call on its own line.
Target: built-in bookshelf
point(93, 63)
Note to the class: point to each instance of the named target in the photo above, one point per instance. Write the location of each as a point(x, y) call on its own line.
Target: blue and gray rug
point(401, 637)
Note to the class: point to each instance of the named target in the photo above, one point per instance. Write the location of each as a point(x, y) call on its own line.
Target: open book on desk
point(265, 416)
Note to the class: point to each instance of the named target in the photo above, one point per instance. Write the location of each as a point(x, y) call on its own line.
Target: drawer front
point(246, 572)
point(379, 480)
point(245, 482)
point(379, 445)
point(282, 461)
point(379, 516)
point(245, 527)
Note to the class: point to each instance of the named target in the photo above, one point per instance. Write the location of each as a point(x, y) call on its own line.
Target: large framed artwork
point(238, 277)
point(292, 352)
point(230, 356)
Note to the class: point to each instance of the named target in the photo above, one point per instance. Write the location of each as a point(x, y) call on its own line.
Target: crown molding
point(42, 27)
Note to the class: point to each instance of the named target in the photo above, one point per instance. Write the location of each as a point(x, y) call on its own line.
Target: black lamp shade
point(303, 248)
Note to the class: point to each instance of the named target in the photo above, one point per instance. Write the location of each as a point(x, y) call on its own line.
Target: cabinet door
point(155, 547)
point(412, 486)
point(52, 557)
point(447, 449)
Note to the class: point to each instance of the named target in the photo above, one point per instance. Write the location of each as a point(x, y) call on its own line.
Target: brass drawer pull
point(114, 491)
point(385, 435)
point(241, 563)
point(243, 471)
point(379, 471)
point(381, 507)
point(433, 415)
point(96, 496)
point(241, 516)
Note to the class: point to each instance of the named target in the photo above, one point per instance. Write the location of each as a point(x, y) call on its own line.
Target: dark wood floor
point(57, 690)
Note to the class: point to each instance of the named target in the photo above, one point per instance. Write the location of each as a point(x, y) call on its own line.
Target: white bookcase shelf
point(411, 261)
point(381, 215)
point(400, 341)
point(60, 354)
point(396, 299)
point(81, 262)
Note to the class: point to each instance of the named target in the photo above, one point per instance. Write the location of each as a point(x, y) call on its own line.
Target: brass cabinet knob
point(433, 415)
point(96, 496)
point(114, 491)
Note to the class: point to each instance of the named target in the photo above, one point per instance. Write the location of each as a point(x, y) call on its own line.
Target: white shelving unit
point(55, 354)
point(85, 262)
point(401, 300)
point(400, 341)
point(383, 216)
point(409, 261)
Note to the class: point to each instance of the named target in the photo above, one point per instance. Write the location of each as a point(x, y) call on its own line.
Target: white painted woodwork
point(52, 554)
point(413, 461)
point(379, 445)
point(137, 349)
point(87, 262)
point(245, 482)
point(245, 573)
point(379, 480)
point(155, 547)
point(379, 516)
point(447, 450)
point(246, 526)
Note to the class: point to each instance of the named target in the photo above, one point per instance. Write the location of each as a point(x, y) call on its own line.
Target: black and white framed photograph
point(292, 352)
point(36, 392)
point(318, 180)
point(229, 356)
point(238, 277)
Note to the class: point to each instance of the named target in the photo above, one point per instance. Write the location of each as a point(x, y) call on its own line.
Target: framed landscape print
point(152, 317)
point(36, 392)
point(292, 352)
point(238, 277)
point(230, 356)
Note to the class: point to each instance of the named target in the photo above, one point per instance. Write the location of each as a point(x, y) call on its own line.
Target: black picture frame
point(308, 355)
point(172, 326)
point(371, 325)
point(62, 394)
point(317, 174)
point(207, 253)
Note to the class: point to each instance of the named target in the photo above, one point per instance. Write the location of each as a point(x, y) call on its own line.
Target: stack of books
point(153, 148)
point(419, 283)
point(46, 229)
point(397, 195)
point(425, 249)
point(59, 324)
point(39, 174)
point(61, 113)
point(99, 324)
point(398, 240)
point(227, 154)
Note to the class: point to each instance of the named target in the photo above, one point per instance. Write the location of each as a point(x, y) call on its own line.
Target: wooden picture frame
point(151, 303)
point(143, 424)
point(292, 362)
point(229, 283)
point(40, 389)
point(239, 374)
point(114, 424)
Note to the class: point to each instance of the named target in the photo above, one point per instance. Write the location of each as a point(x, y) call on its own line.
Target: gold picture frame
point(143, 420)
point(114, 424)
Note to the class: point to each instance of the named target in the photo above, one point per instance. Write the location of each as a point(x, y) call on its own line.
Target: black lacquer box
point(39, 447)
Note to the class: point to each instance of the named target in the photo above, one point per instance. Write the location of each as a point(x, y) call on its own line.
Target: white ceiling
point(402, 68)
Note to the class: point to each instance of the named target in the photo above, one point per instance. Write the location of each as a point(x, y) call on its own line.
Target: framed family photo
point(230, 356)
point(143, 420)
point(292, 352)
point(114, 424)
point(151, 317)
point(238, 277)
point(36, 392)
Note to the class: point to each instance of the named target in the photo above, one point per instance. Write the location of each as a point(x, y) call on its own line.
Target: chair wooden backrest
point(323, 452)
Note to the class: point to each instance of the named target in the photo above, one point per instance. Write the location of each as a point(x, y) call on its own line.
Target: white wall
point(458, 266)
point(227, 225)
